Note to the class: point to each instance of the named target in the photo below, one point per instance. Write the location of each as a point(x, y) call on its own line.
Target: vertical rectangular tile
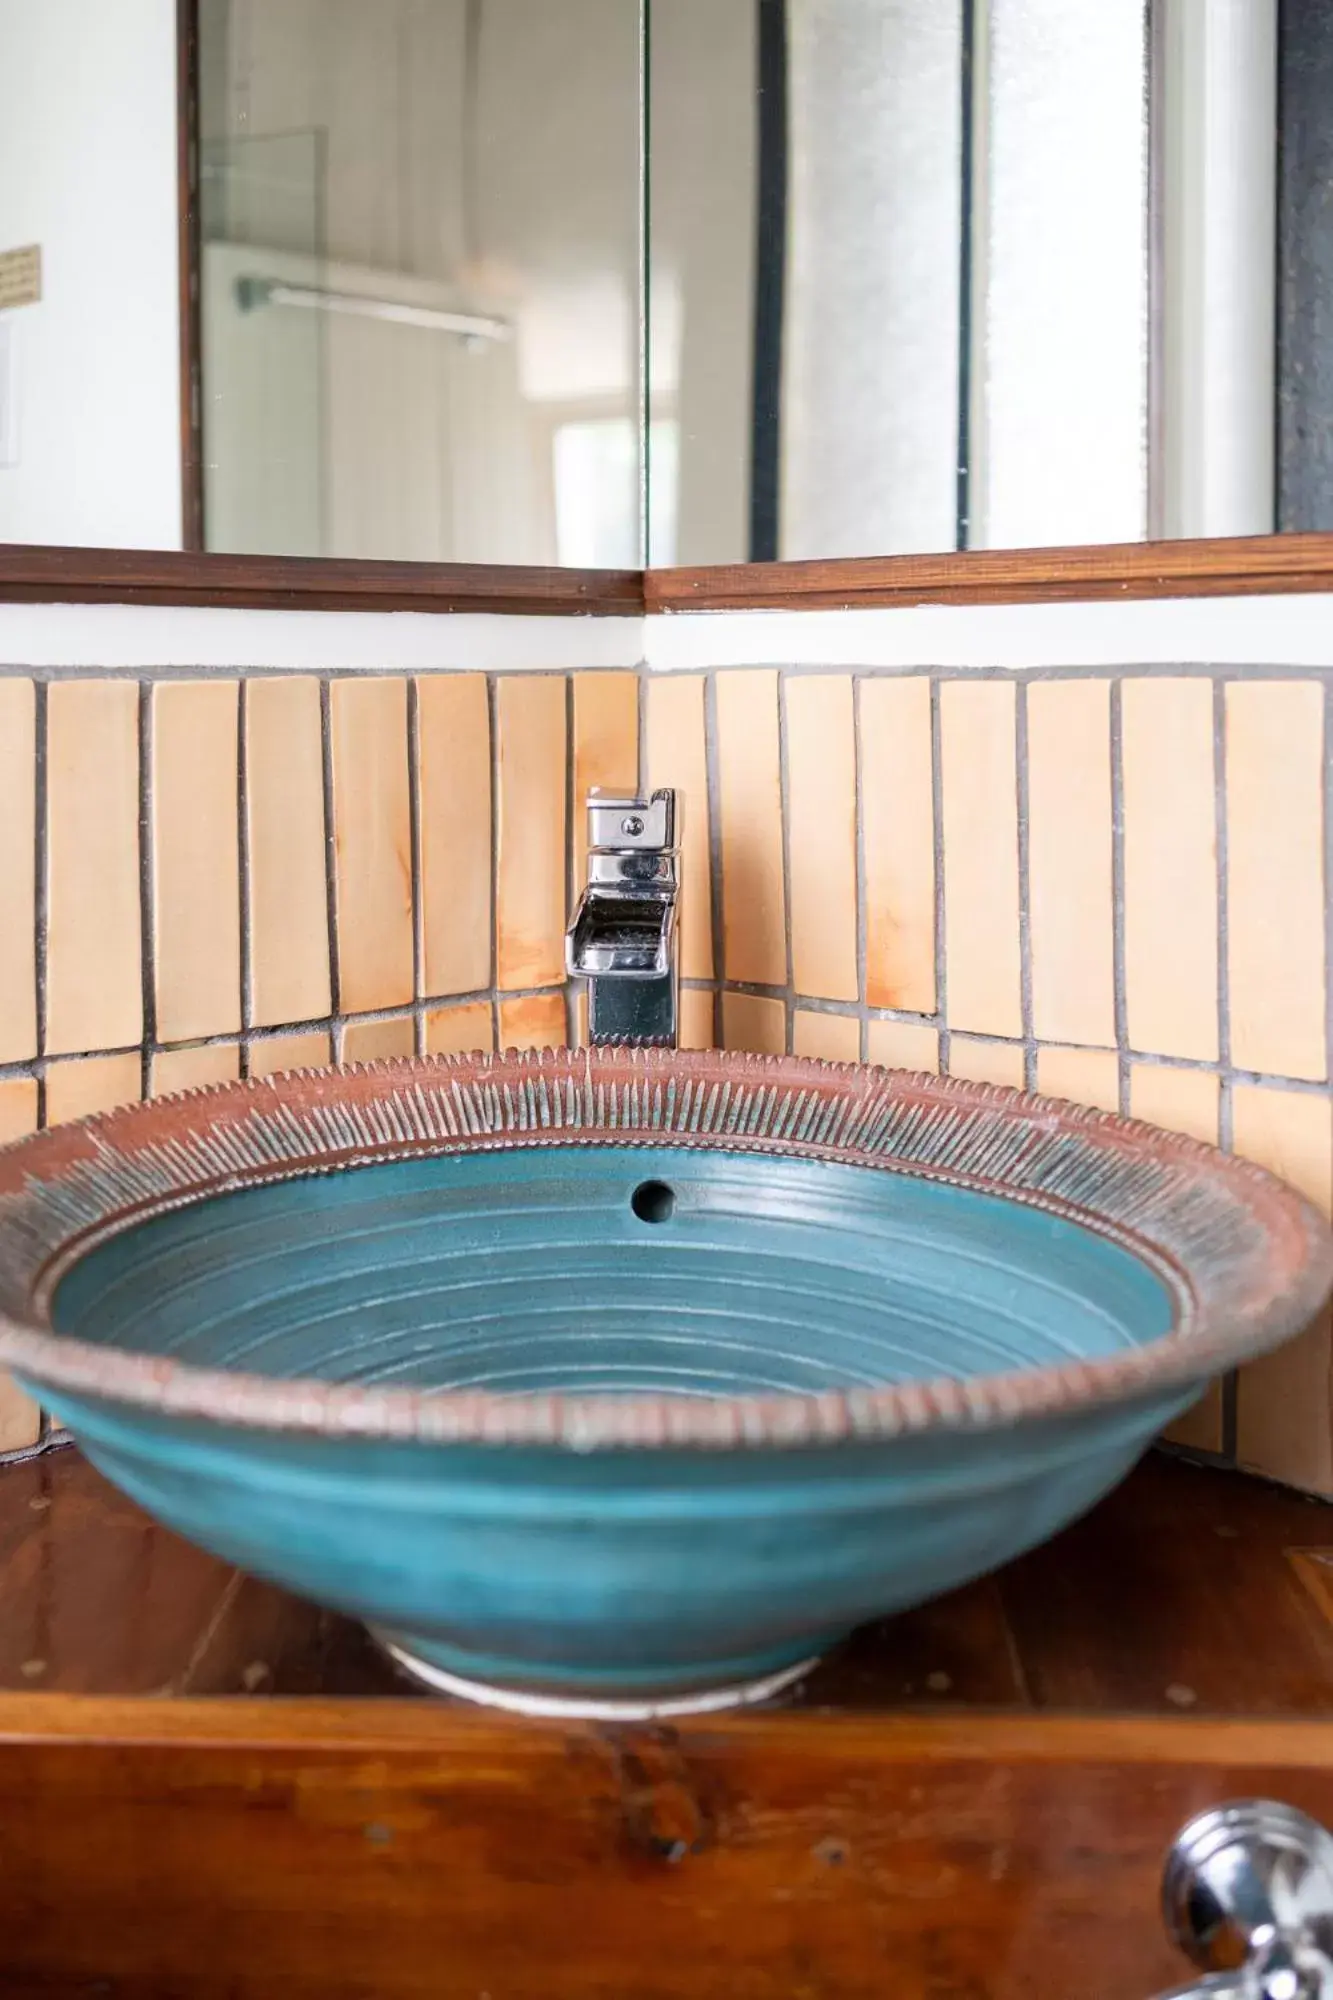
point(289, 916)
point(834, 1037)
point(454, 781)
point(457, 1031)
point(537, 1021)
point(18, 835)
point(1170, 867)
point(677, 755)
point(1284, 1426)
point(1275, 876)
point(531, 899)
point(696, 1019)
point(1184, 1100)
point(1084, 1076)
point(372, 821)
point(754, 898)
point(191, 1069)
point(753, 1024)
point(99, 1083)
point(94, 971)
point(986, 1062)
point(898, 828)
point(1179, 1100)
point(20, 1418)
point(272, 1054)
point(1069, 861)
point(18, 1108)
point(377, 1041)
point(821, 836)
point(196, 859)
point(606, 750)
point(980, 812)
point(903, 1045)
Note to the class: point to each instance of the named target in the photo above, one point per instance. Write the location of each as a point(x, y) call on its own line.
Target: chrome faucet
point(623, 935)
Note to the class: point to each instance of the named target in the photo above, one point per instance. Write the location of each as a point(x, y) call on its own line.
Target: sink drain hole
point(653, 1201)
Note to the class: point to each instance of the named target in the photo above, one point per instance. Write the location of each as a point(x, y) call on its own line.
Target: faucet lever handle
point(617, 822)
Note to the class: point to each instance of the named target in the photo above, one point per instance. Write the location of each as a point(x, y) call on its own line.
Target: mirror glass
point(945, 274)
point(416, 260)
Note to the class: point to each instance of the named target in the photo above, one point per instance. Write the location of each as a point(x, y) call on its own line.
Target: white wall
point(88, 170)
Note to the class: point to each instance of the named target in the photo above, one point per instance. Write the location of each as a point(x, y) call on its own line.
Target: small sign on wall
point(20, 276)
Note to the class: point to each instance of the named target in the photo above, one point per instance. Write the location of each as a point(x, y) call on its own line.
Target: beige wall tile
point(20, 1418)
point(696, 1019)
point(903, 1045)
point(677, 756)
point(289, 918)
point(606, 750)
point(18, 834)
point(821, 802)
point(834, 1037)
point(1275, 876)
point(100, 1083)
point(753, 1024)
point(457, 1031)
point(196, 859)
point(275, 1053)
point(454, 735)
point(377, 1041)
point(1183, 1100)
point(94, 974)
point(986, 1062)
point(1283, 1423)
point(372, 820)
point(191, 1069)
point(18, 1107)
point(898, 827)
point(531, 911)
point(537, 1021)
point(1170, 867)
point(1069, 861)
point(750, 785)
point(1179, 1100)
point(1084, 1076)
point(980, 811)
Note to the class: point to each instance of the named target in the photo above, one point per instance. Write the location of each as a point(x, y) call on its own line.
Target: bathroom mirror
point(590, 283)
point(948, 274)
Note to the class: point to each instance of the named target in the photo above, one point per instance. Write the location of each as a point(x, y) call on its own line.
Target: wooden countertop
point(1190, 1591)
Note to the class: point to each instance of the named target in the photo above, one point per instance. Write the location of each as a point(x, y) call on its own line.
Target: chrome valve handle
point(1247, 1894)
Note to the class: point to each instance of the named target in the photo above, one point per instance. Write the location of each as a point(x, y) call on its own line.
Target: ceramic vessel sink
point(622, 1381)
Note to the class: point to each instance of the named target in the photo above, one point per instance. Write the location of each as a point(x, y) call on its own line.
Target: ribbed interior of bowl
point(614, 1270)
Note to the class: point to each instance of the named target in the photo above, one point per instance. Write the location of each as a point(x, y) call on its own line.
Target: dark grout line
point(1021, 804)
point(243, 861)
point(147, 925)
point(493, 729)
point(1118, 987)
point(859, 837)
point(417, 865)
point(937, 815)
point(717, 880)
point(784, 797)
point(41, 884)
point(330, 850)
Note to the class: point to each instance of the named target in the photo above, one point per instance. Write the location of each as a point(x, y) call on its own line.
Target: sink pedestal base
point(593, 1707)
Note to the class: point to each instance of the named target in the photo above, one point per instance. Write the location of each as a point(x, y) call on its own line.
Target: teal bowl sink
point(624, 1382)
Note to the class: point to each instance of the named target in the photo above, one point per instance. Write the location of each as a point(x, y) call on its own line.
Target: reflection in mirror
point(420, 278)
point(418, 285)
point(936, 274)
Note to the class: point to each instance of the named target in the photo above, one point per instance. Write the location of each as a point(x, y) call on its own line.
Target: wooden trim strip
point(1239, 566)
point(42, 575)
point(372, 1726)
